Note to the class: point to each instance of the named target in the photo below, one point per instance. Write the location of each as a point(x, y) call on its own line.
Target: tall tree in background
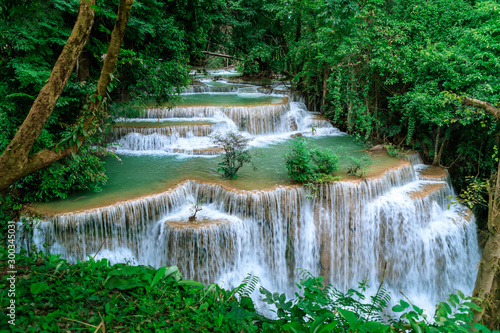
point(487, 286)
point(17, 161)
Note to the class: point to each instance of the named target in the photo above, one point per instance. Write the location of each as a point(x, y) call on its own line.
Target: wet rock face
point(433, 173)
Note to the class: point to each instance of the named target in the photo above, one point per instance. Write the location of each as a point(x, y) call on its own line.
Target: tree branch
point(47, 156)
point(494, 111)
point(221, 55)
point(15, 162)
point(15, 157)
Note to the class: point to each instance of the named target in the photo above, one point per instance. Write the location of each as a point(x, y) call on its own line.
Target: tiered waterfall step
point(432, 173)
point(433, 189)
point(179, 129)
point(184, 137)
point(206, 86)
point(258, 115)
point(362, 226)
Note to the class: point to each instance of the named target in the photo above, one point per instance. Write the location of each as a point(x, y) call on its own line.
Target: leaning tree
point(17, 161)
point(487, 286)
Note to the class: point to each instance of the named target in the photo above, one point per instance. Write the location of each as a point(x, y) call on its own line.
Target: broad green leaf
point(158, 276)
point(455, 299)
point(350, 317)
point(38, 287)
point(328, 328)
point(472, 306)
point(122, 284)
point(293, 327)
point(397, 308)
point(418, 310)
point(219, 320)
point(174, 271)
point(415, 327)
point(318, 322)
point(190, 283)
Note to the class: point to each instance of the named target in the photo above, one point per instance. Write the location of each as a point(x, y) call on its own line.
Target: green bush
point(325, 160)
point(55, 296)
point(326, 309)
point(394, 151)
point(306, 164)
point(81, 171)
point(9, 209)
point(358, 166)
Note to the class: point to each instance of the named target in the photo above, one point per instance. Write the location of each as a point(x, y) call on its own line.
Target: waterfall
point(348, 233)
point(178, 130)
point(206, 89)
point(394, 227)
point(253, 119)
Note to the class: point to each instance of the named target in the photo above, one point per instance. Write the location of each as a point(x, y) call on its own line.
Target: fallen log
point(221, 55)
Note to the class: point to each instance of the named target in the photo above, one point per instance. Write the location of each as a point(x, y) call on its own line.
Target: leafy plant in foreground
point(91, 296)
point(53, 295)
point(326, 309)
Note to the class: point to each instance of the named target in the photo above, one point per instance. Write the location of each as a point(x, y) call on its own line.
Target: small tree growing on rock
point(196, 208)
point(235, 153)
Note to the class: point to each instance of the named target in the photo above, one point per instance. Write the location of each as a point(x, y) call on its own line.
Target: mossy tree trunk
point(487, 286)
point(16, 161)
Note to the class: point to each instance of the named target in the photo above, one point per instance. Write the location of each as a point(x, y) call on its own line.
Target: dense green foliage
point(52, 296)
point(390, 70)
point(305, 164)
point(235, 154)
point(160, 39)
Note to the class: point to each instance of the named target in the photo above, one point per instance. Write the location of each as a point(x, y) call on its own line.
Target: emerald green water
point(146, 174)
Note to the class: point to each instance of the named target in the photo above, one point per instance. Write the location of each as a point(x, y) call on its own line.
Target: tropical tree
point(235, 150)
point(487, 286)
point(17, 161)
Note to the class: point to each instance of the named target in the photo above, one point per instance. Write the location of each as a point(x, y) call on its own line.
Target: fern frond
point(248, 285)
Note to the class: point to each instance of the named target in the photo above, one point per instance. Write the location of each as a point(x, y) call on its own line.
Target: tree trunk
point(441, 148)
point(83, 66)
point(15, 157)
point(298, 29)
point(16, 162)
point(487, 286)
point(325, 87)
point(437, 156)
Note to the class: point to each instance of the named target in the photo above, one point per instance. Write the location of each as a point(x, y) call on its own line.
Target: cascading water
point(395, 225)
